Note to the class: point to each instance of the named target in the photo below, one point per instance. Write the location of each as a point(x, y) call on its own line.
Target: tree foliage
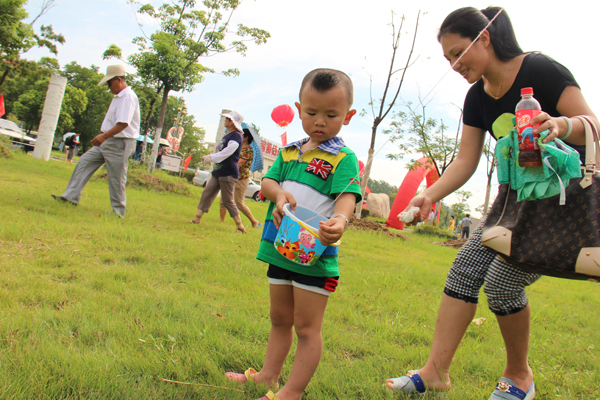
point(31, 103)
point(168, 59)
point(18, 37)
point(460, 209)
point(421, 136)
point(384, 108)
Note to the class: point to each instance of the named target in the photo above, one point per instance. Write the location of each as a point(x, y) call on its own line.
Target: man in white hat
point(113, 147)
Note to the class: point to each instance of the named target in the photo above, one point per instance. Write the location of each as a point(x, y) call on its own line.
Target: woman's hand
point(283, 197)
point(424, 203)
point(206, 159)
point(545, 121)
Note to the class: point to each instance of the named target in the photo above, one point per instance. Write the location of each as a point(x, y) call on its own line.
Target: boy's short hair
point(322, 79)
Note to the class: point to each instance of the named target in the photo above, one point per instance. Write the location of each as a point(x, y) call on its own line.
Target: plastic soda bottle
point(529, 149)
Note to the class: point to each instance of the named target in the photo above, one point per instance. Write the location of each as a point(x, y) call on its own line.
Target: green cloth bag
point(560, 164)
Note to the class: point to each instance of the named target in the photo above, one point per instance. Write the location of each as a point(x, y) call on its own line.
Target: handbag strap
point(592, 150)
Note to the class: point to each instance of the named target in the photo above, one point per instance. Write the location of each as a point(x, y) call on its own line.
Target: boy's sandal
point(270, 396)
point(242, 378)
point(240, 230)
point(411, 383)
point(507, 390)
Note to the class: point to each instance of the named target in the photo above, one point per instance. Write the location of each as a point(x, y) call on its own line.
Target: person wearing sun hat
point(226, 171)
point(113, 147)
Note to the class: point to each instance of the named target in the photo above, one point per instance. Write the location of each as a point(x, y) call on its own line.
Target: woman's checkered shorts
point(475, 265)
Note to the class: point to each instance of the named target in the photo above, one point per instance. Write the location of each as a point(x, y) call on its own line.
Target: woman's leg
point(208, 197)
point(240, 195)
point(309, 310)
point(454, 317)
point(457, 309)
point(282, 333)
point(515, 332)
point(227, 187)
point(505, 289)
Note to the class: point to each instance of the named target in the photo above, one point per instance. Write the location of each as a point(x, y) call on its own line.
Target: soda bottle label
point(527, 139)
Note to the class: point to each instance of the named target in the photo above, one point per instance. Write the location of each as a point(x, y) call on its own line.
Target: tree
point(89, 121)
point(418, 134)
point(490, 157)
point(168, 60)
point(30, 105)
point(17, 37)
point(462, 207)
point(385, 108)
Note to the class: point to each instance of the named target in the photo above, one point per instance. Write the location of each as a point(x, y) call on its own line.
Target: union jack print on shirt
point(320, 168)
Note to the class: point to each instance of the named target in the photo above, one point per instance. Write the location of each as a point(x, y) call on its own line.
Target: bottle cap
point(527, 91)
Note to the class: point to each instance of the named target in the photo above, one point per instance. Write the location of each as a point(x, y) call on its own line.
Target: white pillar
point(50, 114)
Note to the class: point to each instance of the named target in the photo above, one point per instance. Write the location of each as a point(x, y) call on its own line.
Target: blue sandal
point(411, 383)
point(507, 390)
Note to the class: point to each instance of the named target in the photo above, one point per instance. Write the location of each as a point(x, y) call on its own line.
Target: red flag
point(2, 110)
point(187, 162)
point(284, 139)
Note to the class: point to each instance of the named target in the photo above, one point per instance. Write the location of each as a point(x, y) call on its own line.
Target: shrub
point(431, 230)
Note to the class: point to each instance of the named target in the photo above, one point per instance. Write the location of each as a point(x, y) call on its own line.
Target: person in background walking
point(451, 224)
point(465, 225)
point(244, 163)
point(72, 143)
point(226, 171)
point(112, 147)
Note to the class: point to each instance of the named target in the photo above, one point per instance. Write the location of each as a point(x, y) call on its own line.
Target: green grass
point(95, 307)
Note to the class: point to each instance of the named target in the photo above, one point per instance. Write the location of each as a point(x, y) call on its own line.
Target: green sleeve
point(275, 171)
point(346, 178)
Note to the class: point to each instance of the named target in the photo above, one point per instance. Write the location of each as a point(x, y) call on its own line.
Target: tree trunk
point(363, 183)
point(488, 189)
point(158, 132)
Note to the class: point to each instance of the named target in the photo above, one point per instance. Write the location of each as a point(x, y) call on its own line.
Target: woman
point(225, 172)
point(451, 224)
point(497, 68)
point(246, 157)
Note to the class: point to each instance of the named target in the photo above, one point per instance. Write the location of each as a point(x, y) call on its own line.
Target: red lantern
point(282, 115)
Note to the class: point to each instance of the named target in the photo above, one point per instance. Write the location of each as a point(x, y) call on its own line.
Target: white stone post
point(50, 114)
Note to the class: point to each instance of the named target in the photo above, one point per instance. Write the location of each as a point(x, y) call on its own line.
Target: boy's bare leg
point(308, 320)
point(282, 333)
point(222, 214)
point(454, 317)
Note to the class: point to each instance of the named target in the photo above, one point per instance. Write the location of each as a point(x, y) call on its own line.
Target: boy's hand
point(331, 231)
point(282, 198)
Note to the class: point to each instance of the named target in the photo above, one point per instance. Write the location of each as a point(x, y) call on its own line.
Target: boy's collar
point(333, 145)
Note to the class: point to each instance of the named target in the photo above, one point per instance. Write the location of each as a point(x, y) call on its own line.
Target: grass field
point(95, 307)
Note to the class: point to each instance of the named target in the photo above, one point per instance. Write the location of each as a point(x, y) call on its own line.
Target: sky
point(352, 36)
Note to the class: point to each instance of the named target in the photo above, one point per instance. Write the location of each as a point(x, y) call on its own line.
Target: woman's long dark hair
point(469, 21)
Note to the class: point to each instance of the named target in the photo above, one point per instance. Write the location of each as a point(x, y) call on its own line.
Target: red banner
point(187, 162)
point(284, 139)
point(2, 110)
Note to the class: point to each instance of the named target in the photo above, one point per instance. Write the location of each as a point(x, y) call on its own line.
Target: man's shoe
point(63, 199)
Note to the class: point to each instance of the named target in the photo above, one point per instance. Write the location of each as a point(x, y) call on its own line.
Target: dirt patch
point(457, 244)
point(142, 179)
point(365, 224)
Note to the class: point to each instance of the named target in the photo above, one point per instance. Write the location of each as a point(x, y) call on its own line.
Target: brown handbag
point(543, 237)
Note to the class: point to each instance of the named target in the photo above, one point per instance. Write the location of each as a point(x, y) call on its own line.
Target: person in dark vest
point(226, 171)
